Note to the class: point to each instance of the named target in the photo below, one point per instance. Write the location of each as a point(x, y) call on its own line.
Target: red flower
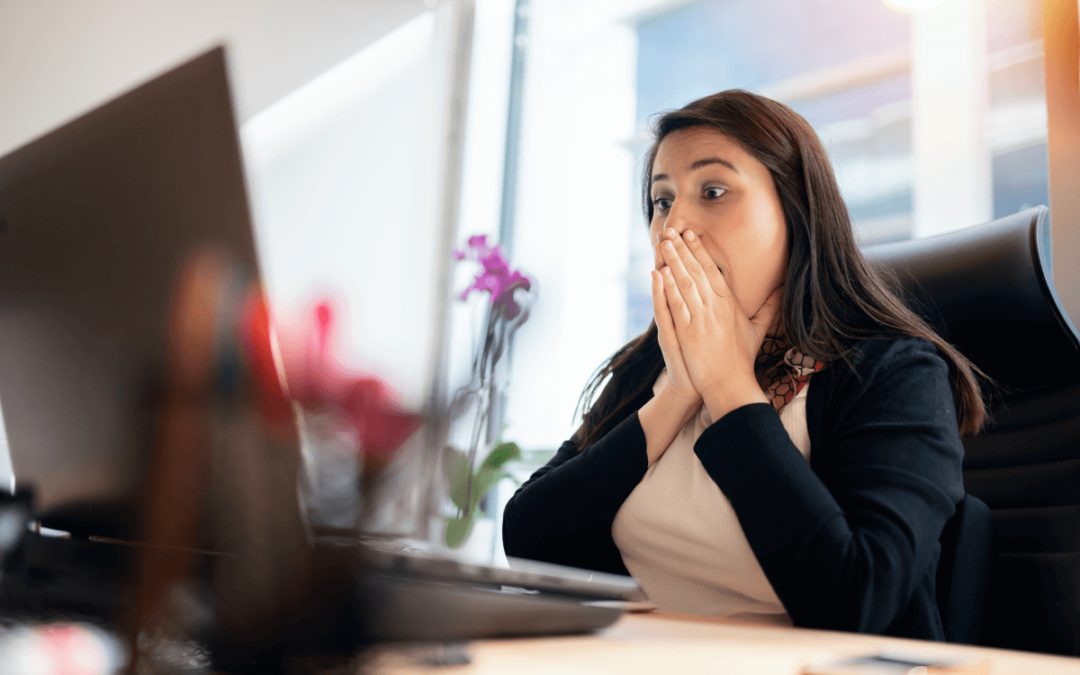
point(317, 381)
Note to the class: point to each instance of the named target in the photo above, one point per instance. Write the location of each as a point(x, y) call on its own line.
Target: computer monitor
point(96, 218)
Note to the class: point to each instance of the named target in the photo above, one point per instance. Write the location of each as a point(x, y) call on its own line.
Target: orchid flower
point(468, 486)
point(496, 277)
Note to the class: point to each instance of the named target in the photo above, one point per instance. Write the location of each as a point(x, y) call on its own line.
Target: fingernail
point(689, 235)
point(668, 246)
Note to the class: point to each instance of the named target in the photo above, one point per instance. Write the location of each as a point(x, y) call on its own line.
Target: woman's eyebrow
point(712, 160)
point(697, 165)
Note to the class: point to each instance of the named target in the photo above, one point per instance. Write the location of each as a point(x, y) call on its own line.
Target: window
point(935, 120)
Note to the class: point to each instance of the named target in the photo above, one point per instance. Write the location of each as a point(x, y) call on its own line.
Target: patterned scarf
point(786, 370)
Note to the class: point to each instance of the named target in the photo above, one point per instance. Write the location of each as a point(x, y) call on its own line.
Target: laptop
point(97, 221)
point(97, 217)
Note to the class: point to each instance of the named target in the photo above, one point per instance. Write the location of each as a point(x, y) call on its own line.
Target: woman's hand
point(678, 384)
point(717, 341)
point(677, 400)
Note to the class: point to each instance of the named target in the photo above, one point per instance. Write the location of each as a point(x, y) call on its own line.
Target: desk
point(661, 642)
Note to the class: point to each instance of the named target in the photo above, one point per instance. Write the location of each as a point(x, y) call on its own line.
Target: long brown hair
point(832, 296)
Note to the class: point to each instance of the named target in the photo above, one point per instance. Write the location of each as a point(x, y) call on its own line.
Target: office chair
point(989, 291)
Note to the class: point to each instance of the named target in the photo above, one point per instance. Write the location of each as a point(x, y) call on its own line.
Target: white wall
point(59, 58)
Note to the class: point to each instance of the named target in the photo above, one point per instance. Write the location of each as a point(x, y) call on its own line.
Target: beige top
point(680, 537)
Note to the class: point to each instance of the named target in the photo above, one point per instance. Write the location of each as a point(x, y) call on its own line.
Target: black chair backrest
point(988, 290)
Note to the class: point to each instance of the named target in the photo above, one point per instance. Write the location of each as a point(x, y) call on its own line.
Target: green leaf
point(456, 466)
point(457, 530)
point(484, 480)
point(457, 469)
point(501, 454)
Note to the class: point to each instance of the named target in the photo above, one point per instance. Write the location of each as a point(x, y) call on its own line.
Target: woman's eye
point(661, 203)
point(714, 192)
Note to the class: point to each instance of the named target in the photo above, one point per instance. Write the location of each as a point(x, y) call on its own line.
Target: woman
point(783, 443)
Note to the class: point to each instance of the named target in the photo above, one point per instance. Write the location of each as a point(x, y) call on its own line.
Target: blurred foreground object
point(351, 425)
point(318, 382)
point(15, 510)
point(61, 649)
point(227, 558)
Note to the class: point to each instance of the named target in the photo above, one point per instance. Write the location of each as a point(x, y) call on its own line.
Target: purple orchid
point(504, 317)
point(496, 278)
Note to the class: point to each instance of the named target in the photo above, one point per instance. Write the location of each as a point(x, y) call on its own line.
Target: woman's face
point(705, 182)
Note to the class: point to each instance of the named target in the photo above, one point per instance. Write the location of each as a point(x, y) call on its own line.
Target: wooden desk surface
point(661, 642)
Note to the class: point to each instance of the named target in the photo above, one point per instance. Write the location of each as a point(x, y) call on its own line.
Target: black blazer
point(848, 541)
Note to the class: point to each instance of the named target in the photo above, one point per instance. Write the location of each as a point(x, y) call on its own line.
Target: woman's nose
point(678, 218)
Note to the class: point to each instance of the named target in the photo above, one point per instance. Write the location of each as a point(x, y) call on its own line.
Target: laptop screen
point(96, 219)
